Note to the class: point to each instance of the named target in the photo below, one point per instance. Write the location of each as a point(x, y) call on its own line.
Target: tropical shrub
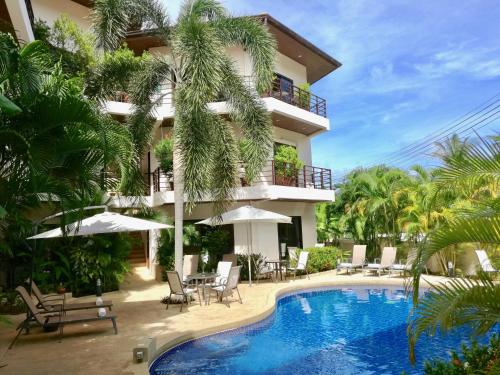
point(322, 258)
point(255, 259)
point(474, 359)
point(102, 257)
point(11, 303)
point(286, 165)
point(215, 242)
point(164, 152)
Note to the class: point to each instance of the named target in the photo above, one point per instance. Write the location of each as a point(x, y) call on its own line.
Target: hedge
point(322, 258)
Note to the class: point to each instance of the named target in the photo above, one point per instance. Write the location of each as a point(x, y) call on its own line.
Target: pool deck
point(93, 348)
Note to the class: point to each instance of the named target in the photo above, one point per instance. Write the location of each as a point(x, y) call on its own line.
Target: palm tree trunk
point(178, 211)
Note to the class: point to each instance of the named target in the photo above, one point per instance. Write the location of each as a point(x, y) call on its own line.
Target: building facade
point(297, 115)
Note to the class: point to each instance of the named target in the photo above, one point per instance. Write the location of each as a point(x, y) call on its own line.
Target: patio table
point(277, 266)
point(202, 277)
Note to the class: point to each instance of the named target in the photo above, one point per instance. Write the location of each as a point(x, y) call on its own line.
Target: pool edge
point(269, 309)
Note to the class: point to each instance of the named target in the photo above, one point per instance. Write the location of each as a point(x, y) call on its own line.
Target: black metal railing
point(164, 94)
point(274, 173)
point(297, 97)
point(284, 92)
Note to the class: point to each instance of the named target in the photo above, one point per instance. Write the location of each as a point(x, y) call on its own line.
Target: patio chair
point(49, 304)
point(177, 289)
point(301, 264)
point(233, 258)
point(223, 270)
point(56, 319)
point(387, 260)
point(189, 266)
point(484, 262)
point(226, 289)
point(263, 270)
point(357, 261)
point(402, 268)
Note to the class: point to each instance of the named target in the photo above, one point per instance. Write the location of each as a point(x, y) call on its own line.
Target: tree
point(205, 150)
point(474, 173)
point(54, 142)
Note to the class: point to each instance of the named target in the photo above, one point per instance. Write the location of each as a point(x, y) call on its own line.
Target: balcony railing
point(274, 173)
point(284, 91)
point(164, 91)
point(280, 90)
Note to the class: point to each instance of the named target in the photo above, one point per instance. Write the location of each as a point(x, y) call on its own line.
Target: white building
point(295, 123)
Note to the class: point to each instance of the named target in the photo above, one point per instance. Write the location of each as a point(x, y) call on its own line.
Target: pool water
point(357, 330)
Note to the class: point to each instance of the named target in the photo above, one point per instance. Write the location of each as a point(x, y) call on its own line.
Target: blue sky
point(409, 68)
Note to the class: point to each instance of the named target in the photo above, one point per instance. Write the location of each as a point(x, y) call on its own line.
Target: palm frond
point(252, 35)
point(458, 302)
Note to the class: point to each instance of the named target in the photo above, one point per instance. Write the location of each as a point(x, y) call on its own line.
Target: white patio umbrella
point(248, 215)
point(106, 222)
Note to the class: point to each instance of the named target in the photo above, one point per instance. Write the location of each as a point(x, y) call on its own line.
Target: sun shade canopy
point(247, 214)
point(106, 222)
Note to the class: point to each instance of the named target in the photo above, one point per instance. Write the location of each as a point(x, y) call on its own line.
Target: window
point(291, 234)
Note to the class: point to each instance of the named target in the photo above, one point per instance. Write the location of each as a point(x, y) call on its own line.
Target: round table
point(202, 277)
point(277, 266)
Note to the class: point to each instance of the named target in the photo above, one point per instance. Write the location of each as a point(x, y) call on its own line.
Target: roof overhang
point(317, 62)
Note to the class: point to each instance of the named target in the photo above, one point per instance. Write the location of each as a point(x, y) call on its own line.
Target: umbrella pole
point(249, 251)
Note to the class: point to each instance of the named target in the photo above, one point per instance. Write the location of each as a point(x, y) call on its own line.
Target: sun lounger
point(387, 260)
point(57, 319)
point(51, 302)
point(357, 261)
point(402, 268)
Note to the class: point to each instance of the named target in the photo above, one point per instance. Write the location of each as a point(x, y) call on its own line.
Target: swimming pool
point(355, 330)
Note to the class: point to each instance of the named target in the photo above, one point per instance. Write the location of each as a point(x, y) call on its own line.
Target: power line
point(424, 148)
point(478, 109)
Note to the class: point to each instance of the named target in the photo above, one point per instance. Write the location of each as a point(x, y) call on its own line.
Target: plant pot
point(159, 273)
point(286, 180)
point(61, 290)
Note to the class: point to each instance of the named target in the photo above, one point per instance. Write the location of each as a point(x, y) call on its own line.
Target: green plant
point(471, 173)
point(287, 165)
point(216, 243)
point(102, 257)
point(165, 252)
point(474, 359)
point(321, 258)
point(256, 260)
point(201, 72)
point(304, 95)
point(164, 152)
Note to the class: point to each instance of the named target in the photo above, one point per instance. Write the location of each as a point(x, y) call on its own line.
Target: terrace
point(281, 89)
point(282, 174)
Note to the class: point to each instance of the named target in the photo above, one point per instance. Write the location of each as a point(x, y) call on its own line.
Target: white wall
point(51, 10)
point(301, 141)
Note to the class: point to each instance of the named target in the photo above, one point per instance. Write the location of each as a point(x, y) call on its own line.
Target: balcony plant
point(164, 152)
point(304, 96)
point(287, 165)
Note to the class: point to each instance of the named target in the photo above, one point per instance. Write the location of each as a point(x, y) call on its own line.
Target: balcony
point(282, 174)
point(282, 90)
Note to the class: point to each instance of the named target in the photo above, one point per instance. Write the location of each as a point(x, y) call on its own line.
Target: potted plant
point(286, 165)
point(164, 152)
point(304, 96)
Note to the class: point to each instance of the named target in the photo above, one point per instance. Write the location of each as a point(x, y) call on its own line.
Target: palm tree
point(473, 174)
point(206, 154)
